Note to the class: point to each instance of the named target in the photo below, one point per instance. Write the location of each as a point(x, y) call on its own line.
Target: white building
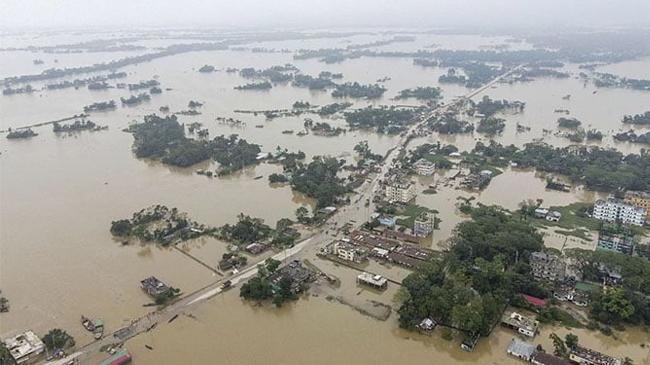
point(424, 224)
point(349, 252)
point(424, 167)
point(400, 191)
point(613, 210)
point(25, 347)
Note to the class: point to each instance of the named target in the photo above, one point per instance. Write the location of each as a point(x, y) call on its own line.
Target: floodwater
point(58, 195)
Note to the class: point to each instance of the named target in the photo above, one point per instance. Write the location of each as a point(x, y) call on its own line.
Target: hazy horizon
point(291, 14)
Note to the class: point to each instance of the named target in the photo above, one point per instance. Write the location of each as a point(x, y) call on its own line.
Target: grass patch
point(578, 232)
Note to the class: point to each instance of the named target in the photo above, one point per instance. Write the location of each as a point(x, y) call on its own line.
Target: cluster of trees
point(534, 72)
point(450, 124)
point(21, 133)
point(435, 153)
point(475, 74)
point(58, 339)
point(642, 119)
point(157, 223)
point(631, 136)
point(330, 75)
point(313, 83)
point(245, 231)
point(489, 107)
point(322, 128)
point(319, 180)
point(18, 90)
point(611, 80)
point(77, 125)
point(164, 138)
point(568, 123)
point(383, 119)
point(627, 303)
point(356, 90)
point(264, 85)
point(100, 106)
point(421, 93)
point(485, 268)
point(206, 69)
point(76, 83)
point(491, 125)
point(425, 62)
point(274, 74)
point(365, 153)
point(597, 168)
point(301, 105)
point(333, 108)
point(135, 99)
point(260, 287)
point(143, 85)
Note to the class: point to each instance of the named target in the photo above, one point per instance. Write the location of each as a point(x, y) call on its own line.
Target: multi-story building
point(547, 266)
point(400, 191)
point(639, 199)
point(24, 347)
point(623, 243)
point(424, 224)
point(585, 356)
point(424, 167)
point(614, 210)
point(350, 252)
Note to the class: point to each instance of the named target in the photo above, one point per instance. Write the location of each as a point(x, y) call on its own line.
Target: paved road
point(356, 211)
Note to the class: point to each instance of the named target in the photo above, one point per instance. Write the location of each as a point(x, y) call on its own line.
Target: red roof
point(534, 300)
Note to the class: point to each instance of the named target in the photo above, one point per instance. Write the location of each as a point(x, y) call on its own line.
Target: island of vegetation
point(568, 123)
point(631, 136)
point(642, 119)
point(333, 108)
point(450, 124)
point(158, 224)
point(100, 106)
point(265, 85)
point(164, 139)
point(488, 107)
point(356, 90)
point(421, 93)
point(76, 126)
point(135, 99)
point(21, 133)
point(491, 125)
point(143, 85)
point(206, 69)
point(383, 119)
point(313, 83)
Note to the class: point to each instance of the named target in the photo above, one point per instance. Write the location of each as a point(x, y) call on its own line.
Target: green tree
point(58, 339)
point(558, 344)
point(571, 341)
point(612, 306)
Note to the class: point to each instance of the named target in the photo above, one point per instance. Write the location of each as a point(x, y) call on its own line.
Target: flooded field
point(59, 195)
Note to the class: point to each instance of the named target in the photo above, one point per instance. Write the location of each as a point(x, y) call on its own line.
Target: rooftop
point(24, 344)
point(595, 356)
point(521, 348)
point(372, 279)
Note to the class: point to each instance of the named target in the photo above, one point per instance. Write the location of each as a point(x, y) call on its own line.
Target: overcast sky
point(321, 13)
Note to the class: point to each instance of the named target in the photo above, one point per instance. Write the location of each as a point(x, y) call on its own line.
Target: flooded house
point(521, 349)
point(25, 347)
point(295, 271)
point(547, 266)
point(154, 287)
point(584, 356)
point(372, 280)
point(520, 323)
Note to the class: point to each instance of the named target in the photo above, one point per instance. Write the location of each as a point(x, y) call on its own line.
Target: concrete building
point(584, 356)
point(375, 281)
point(614, 210)
point(424, 167)
point(547, 267)
point(622, 243)
point(400, 191)
point(350, 252)
point(424, 224)
point(25, 347)
point(543, 358)
point(521, 349)
point(639, 199)
point(522, 324)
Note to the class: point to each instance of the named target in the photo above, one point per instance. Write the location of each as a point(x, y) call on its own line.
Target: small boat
point(259, 126)
point(301, 133)
point(288, 131)
point(258, 177)
point(98, 332)
point(226, 285)
point(88, 324)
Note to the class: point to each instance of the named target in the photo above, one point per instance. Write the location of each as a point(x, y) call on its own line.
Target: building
point(521, 349)
point(256, 248)
point(614, 210)
point(424, 224)
point(350, 252)
point(623, 243)
point(154, 287)
point(546, 266)
point(424, 167)
point(25, 347)
point(639, 199)
point(375, 281)
point(541, 213)
point(584, 356)
point(477, 181)
point(534, 301)
point(120, 358)
point(295, 271)
point(400, 191)
point(386, 220)
point(522, 324)
point(542, 358)
point(427, 325)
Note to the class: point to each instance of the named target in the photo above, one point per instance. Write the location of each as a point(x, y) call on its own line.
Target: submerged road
point(355, 212)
